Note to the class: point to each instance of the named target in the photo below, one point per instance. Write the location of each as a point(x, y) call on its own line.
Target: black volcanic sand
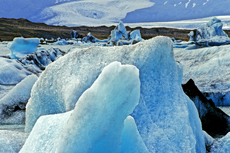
point(10, 28)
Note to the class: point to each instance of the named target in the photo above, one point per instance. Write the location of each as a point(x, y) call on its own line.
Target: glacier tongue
point(166, 118)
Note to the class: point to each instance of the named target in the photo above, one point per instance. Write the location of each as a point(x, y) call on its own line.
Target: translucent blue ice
point(166, 118)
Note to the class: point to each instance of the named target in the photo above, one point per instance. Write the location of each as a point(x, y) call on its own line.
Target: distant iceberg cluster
point(119, 36)
point(210, 35)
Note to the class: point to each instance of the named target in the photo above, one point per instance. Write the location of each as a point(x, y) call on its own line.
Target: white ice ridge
point(166, 118)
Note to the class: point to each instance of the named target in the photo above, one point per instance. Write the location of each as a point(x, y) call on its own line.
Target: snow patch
point(194, 4)
point(186, 4)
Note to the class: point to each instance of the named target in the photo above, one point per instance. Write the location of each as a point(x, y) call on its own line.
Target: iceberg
point(118, 33)
point(210, 35)
point(120, 36)
point(103, 107)
point(166, 118)
point(12, 105)
point(96, 123)
point(23, 46)
point(135, 35)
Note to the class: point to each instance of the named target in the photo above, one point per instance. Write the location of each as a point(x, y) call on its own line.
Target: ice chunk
point(23, 46)
point(135, 35)
point(211, 34)
point(118, 33)
point(166, 118)
point(11, 141)
point(96, 123)
point(11, 72)
point(98, 118)
point(123, 37)
point(131, 140)
point(15, 101)
point(89, 38)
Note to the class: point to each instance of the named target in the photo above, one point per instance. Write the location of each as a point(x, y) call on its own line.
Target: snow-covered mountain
point(91, 12)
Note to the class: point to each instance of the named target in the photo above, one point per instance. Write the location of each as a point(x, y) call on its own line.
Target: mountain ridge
point(10, 28)
point(90, 12)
